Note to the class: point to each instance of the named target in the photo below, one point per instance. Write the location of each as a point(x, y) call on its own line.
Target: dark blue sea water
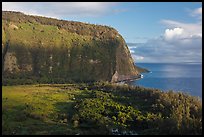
point(185, 77)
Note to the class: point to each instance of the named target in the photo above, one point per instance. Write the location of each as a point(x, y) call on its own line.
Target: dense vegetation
point(98, 108)
point(38, 50)
point(80, 28)
point(48, 49)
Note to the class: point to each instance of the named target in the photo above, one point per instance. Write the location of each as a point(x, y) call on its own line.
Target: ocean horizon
point(180, 77)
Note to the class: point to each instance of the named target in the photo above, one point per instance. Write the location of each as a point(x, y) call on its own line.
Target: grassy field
point(37, 109)
point(97, 109)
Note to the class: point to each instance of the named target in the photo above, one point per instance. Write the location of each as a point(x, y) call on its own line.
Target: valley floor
point(97, 108)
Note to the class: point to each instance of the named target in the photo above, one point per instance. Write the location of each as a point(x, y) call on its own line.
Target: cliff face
point(50, 49)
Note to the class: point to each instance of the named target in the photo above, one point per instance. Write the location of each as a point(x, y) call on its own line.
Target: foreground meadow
point(97, 108)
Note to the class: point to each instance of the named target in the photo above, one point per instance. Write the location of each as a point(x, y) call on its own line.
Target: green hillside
point(50, 50)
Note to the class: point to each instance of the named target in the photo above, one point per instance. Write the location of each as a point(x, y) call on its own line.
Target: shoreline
point(138, 77)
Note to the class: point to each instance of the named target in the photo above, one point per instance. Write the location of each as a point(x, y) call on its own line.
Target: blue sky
point(153, 31)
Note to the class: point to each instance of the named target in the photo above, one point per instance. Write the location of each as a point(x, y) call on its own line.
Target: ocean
point(184, 77)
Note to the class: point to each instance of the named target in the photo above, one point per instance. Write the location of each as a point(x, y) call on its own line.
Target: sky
point(159, 32)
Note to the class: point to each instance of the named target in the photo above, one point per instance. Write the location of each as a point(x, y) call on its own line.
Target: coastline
point(133, 78)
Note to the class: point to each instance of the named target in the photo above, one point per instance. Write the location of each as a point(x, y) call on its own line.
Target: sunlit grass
point(36, 109)
point(97, 108)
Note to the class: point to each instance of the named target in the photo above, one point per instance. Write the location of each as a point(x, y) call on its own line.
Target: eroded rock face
point(54, 49)
point(10, 63)
point(115, 77)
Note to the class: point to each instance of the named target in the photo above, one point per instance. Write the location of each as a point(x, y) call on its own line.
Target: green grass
point(96, 108)
point(37, 109)
point(71, 52)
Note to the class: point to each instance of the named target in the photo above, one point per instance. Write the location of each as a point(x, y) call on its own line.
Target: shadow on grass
point(21, 120)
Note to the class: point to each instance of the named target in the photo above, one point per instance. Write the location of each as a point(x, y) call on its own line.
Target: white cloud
point(173, 33)
point(197, 13)
point(180, 42)
point(132, 51)
point(190, 28)
point(162, 50)
point(61, 9)
point(137, 58)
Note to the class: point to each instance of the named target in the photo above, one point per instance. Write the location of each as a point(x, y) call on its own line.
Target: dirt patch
point(12, 26)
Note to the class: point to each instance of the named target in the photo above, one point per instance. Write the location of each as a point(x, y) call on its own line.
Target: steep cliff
point(51, 50)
